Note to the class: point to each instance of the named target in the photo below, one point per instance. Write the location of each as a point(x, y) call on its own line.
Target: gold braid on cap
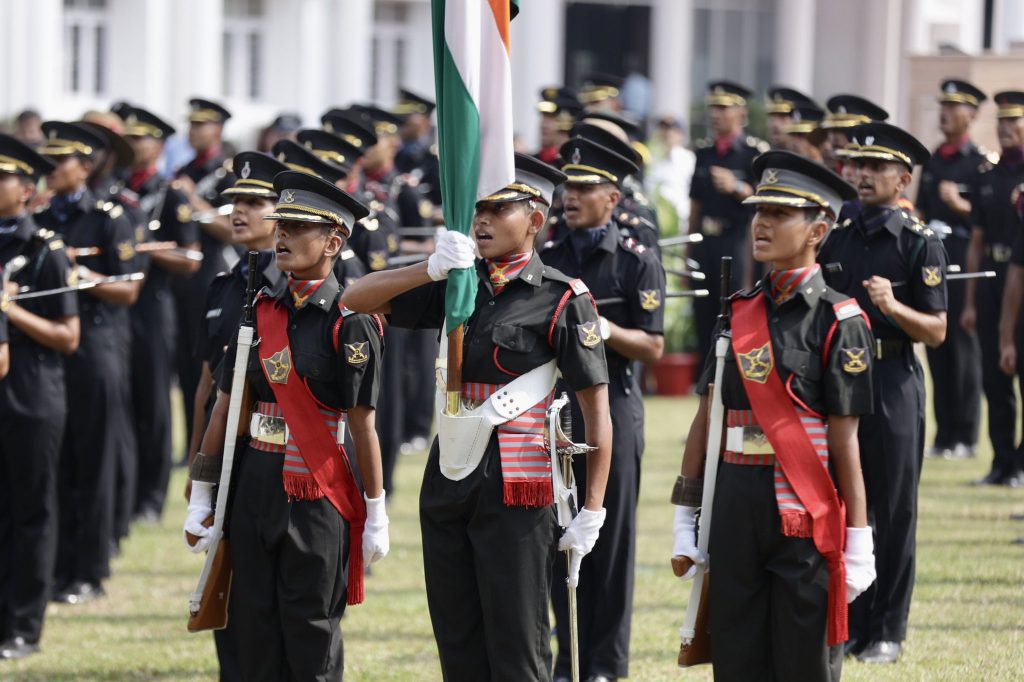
point(589, 169)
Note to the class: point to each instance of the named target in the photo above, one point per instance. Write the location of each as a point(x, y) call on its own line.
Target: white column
point(538, 60)
point(419, 50)
point(883, 55)
point(671, 50)
point(350, 41)
point(33, 33)
point(140, 53)
point(795, 44)
point(195, 61)
point(299, 78)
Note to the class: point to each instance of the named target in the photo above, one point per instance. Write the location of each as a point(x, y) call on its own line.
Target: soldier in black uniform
point(996, 225)
point(611, 265)
point(895, 268)
point(32, 401)
point(488, 527)
point(348, 267)
point(95, 372)
point(777, 531)
point(845, 112)
point(559, 110)
point(417, 156)
point(163, 214)
point(600, 92)
point(301, 530)
point(721, 181)
point(780, 103)
point(201, 180)
point(803, 132)
point(944, 201)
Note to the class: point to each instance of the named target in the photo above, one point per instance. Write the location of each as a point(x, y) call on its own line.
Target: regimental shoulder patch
point(854, 360)
point(650, 299)
point(184, 213)
point(844, 310)
point(355, 353)
point(589, 334)
point(392, 242)
point(278, 367)
point(426, 208)
point(578, 287)
point(932, 276)
point(378, 260)
point(125, 250)
point(757, 364)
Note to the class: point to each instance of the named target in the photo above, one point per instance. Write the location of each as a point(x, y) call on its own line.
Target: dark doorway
point(607, 39)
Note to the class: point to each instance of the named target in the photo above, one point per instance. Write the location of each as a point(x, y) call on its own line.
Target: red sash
point(324, 458)
point(775, 412)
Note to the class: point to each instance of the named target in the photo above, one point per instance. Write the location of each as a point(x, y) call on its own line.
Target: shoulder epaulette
point(633, 245)
point(347, 254)
point(846, 309)
point(110, 208)
point(578, 287)
point(547, 245)
point(42, 234)
point(758, 144)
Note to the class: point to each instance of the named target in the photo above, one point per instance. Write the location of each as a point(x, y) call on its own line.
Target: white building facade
point(263, 57)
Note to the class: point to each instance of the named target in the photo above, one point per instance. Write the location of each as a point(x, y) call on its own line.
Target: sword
point(145, 247)
point(562, 450)
point(694, 238)
point(207, 217)
point(953, 273)
point(26, 292)
point(694, 293)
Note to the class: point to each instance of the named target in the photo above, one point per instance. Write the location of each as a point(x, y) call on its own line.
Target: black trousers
point(709, 253)
point(418, 382)
point(955, 367)
point(891, 450)
point(769, 592)
point(29, 450)
point(152, 365)
point(604, 597)
point(999, 390)
point(391, 405)
point(88, 460)
point(288, 589)
point(126, 450)
point(488, 572)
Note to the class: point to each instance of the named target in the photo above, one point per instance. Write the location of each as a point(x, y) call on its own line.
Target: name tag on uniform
point(215, 312)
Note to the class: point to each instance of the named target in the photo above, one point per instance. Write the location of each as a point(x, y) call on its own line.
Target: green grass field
point(967, 621)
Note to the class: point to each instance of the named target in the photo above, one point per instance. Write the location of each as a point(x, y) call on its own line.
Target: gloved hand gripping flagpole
point(562, 449)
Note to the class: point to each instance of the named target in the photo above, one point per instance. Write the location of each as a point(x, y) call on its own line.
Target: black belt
point(887, 349)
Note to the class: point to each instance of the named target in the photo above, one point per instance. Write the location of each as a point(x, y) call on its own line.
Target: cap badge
point(576, 155)
point(288, 196)
point(246, 170)
point(840, 109)
point(771, 176)
point(950, 88)
point(796, 116)
point(53, 134)
point(719, 90)
point(869, 140)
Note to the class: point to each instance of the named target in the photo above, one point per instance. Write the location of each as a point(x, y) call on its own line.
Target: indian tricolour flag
point(473, 83)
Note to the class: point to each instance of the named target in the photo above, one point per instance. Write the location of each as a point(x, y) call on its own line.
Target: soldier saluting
point(32, 401)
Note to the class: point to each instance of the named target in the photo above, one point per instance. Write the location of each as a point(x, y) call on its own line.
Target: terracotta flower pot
point(674, 374)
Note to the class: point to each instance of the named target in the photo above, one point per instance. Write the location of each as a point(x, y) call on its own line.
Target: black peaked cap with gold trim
point(956, 91)
point(589, 163)
point(804, 118)
point(781, 99)
point(205, 111)
point(139, 122)
point(1010, 104)
point(787, 179)
point(724, 93)
point(382, 121)
point(846, 111)
point(17, 158)
point(606, 138)
point(535, 180)
point(113, 143)
point(886, 142)
point(411, 103)
point(69, 139)
point(307, 198)
point(353, 126)
point(330, 148)
point(298, 158)
point(254, 175)
point(598, 87)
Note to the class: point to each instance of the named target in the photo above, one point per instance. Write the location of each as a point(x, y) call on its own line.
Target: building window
point(388, 68)
point(242, 49)
point(85, 39)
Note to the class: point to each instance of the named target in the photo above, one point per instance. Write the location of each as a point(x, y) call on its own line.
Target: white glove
point(579, 538)
point(376, 541)
point(684, 530)
point(200, 507)
point(452, 250)
point(860, 561)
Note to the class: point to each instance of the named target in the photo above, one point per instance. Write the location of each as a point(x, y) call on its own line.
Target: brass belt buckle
point(266, 429)
point(755, 442)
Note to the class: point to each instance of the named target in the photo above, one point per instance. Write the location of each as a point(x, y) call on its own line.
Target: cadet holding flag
point(796, 376)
